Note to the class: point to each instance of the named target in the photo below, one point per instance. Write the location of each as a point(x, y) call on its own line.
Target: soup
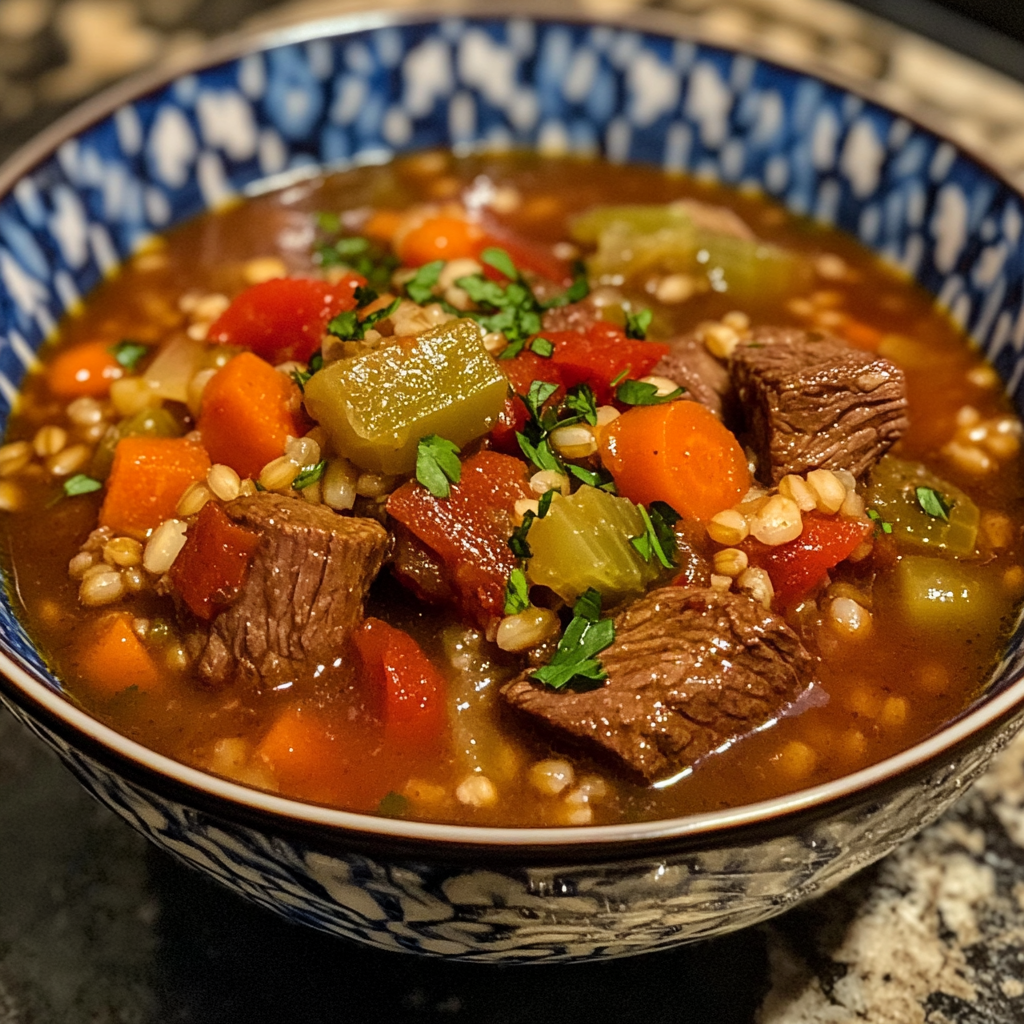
point(510, 490)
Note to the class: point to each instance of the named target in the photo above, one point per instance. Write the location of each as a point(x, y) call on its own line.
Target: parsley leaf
point(517, 593)
point(421, 287)
point(638, 392)
point(876, 517)
point(540, 454)
point(584, 638)
point(544, 503)
point(512, 309)
point(393, 805)
point(129, 353)
point(309, 475)
point(620, 377)
point(513, 349)
point(364, 295)
point(933, 503)
point(316, 362)
point(540, 391)
point(366, 258)
point(576, 292)
point(517, 542)
point(437, 464)
point(637, 324)
point(658, 539)
point(501, 261)
point(542, 347)
point(80, 484)
point(580, 399)
point(594, 478)
point(349, 327)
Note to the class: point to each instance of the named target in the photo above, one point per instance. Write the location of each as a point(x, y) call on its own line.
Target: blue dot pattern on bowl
point(365, 95)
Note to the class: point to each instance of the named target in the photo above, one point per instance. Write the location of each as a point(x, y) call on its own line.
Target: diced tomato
point(798, 567)
point(410, 691)
point(211, 568)
point(601, 354)
point(527, 254)
point(469, 530)
point(522, 371)
point(285, 318)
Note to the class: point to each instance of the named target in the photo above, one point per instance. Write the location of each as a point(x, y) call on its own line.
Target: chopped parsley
point(129, 353)
point(437, 465)
point(620, 377)
point(309, 476)
point(658, 539)
point(366, 258)
point(500, 261)
point(364, 295)
point(540, 453)
point(600, 478)
point(544, 503)
point(576, 292)
point(517, 593)
point(580, 399)
point(393, 805)
point(933, 503)
point(876, 517)
point(542, 347)
point(639, 392)
point(517, 542)
point(316, 362)
point(420, 288)
point(586, 636)
point(348, 327)
point(80, 484)
point(637, 324)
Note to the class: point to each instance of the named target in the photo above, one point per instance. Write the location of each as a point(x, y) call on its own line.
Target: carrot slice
point(249, 410)
point(117, 660)
point(147, 478)
point(85, 370)
point(440, 238)
point(679, 453)
point(383, 225)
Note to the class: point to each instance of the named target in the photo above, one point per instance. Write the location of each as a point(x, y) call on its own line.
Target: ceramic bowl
point(146, 156)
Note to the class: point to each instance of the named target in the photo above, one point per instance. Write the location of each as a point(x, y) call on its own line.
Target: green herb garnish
point(80, 484)
point(593, 478)
point(129, 353)
point(619, 377)
point(542, 347)
point(580, 400)
point(501, 261)
point(309, 476)
point(658, 539)
point(394, 805)
point(517, 593)
point(348, 327)
point(576, 292)
point(420, 288)
point(637, 324)
point(437, 465)
point(876, 517)
point(540, 453)
point(544, 503)
point(586, 636)
point(933, 503)
point(638, 392)
point(517, 542)
point(364, 295)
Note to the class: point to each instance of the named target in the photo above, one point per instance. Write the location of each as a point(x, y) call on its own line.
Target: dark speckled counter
point(96, 926)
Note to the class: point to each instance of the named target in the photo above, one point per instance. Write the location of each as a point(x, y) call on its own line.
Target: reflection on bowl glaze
point(88, 193)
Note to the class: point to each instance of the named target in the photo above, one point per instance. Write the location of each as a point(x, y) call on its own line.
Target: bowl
point(160, 149)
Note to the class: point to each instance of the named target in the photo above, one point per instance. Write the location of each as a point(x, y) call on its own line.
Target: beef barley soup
point(511, 490)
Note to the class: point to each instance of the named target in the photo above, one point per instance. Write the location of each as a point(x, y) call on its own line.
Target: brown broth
point(886, 692)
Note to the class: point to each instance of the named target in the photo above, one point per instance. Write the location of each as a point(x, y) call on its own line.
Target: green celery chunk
point(157, 422)
point(583, 541)
point(944, 596)
point(892, 492)
point(376, 407)
point(633, 241)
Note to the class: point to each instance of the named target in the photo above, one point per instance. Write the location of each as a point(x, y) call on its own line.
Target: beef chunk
point(813, 402)
point(302, 598)
point(577, 316)
point(689, 669)
point(694, 368)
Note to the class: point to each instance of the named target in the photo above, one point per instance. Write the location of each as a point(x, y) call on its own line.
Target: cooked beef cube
point(302, 598)
point(694, 554)
point(577, 316)
point(689, 670)
point(813, 402)
point(694, 368)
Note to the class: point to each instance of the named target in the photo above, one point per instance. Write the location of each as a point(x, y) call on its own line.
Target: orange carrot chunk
point(679, 453)
point(87, 369)
point(440, 238)
point(117, 660)
point(148, 477)
point(249, 410)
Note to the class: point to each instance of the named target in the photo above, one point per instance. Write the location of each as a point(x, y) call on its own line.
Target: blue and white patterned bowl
point(94, 187)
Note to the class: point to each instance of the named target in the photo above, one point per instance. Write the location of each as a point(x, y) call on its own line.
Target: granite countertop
point(97, 926)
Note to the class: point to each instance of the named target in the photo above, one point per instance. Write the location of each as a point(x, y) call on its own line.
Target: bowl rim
point(160, 771)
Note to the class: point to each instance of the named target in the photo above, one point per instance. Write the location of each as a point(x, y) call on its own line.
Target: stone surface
point(96, 926)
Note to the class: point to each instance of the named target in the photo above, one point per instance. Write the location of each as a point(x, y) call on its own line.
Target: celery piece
point(376, 407)
point(584, 541)
point(156, 422)
point(892, 493)
point(633, 241)
point(945, 596)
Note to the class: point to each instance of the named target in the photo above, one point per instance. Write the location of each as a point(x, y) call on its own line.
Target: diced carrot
point(409, 689)
point(87, 369)
point(211, 568)
point(861, 335)
point(443, 237)
point(383, 225)
point(147, 478)
point(679, 453)
point(117, 660)
point(249, 410)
